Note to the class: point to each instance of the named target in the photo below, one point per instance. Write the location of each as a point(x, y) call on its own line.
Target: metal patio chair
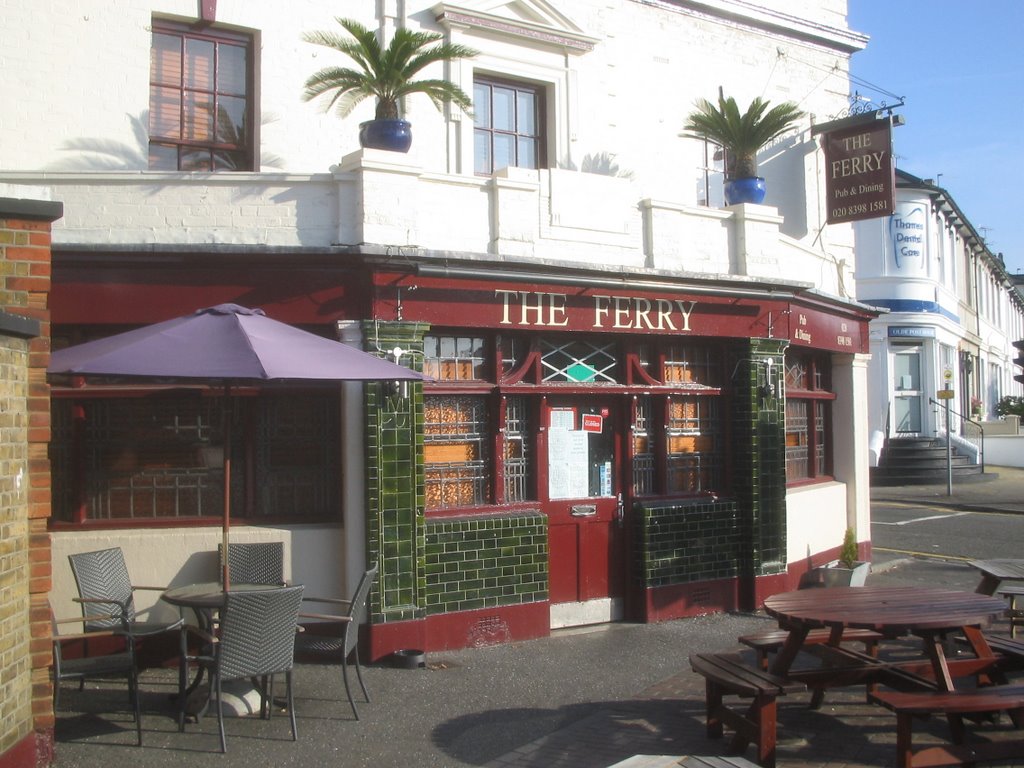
point(113, 664)
point(344, 640)
point(255, 640)
point(106, 594)
point(256, 563)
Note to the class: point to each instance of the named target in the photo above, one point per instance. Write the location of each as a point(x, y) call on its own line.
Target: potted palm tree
point(386, 74)
point(742, 136)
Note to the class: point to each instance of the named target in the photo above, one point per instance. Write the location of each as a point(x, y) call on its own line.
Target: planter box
point(834, 575)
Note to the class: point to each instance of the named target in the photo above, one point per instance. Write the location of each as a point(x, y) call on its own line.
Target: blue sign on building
point(911, 331)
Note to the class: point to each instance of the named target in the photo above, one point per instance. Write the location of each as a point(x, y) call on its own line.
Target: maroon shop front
point(578, 433)
point(612, 412)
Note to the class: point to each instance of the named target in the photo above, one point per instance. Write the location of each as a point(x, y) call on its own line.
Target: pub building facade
point(640, 404)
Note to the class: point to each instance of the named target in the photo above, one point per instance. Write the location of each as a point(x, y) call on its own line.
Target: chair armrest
point(324, 616)
point(82, 619)
point(153, 589)
point(327, 600)
point(102, 601)
point(59, 638)
point(87, 635)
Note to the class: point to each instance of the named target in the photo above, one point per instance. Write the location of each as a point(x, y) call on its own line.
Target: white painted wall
point(816, 516)
point(1004, 451)
point(85, 132)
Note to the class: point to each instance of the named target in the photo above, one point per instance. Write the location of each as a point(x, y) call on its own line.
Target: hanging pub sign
point(860, 173)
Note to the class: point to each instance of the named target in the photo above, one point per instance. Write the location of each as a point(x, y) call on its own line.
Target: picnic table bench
point(1011, 651)
point(727, 674)
point(953, 704)
point(772, 640)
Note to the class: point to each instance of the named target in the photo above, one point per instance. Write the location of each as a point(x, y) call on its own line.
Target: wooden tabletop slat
point(1001, 568)
point(885, 609)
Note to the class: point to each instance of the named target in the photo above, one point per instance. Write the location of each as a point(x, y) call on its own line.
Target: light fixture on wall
point(767, 388)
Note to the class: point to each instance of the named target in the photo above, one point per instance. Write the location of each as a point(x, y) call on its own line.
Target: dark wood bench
point(953, 704)
point(727, 674)
point(1010, 650)
point(702, 761)
point(846, 666)
point(770, 641)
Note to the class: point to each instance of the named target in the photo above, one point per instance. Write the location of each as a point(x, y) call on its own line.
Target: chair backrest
point(357, 608)
point(257, 632)
point(257, 563)
point(102, 575)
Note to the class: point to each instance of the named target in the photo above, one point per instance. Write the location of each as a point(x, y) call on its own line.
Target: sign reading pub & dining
point(860, 175)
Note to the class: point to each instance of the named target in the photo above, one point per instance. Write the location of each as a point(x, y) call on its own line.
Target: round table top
point(206, 594)
point(885, 609)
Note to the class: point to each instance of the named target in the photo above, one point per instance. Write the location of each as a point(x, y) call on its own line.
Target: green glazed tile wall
point(684, 542)
point(759, 470)
point(394, 481)
point(486, 561)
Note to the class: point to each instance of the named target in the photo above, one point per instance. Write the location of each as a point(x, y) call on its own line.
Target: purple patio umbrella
point(230, 344)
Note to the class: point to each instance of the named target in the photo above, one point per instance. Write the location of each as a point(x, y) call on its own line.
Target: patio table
point(994, 572)
point(893, 612)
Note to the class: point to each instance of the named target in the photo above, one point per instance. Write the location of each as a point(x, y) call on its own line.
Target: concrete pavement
point(1000, 489)
point(588, 697)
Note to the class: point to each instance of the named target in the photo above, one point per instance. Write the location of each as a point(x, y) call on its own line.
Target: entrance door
point(582, 497)
point(907, 397)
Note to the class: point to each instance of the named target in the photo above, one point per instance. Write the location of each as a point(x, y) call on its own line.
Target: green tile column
point(759, 475)
point(394, 479)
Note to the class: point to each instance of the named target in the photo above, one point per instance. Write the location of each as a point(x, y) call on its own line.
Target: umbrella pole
point(226, 518)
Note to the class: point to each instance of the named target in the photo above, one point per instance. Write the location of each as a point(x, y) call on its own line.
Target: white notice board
point(568, 464)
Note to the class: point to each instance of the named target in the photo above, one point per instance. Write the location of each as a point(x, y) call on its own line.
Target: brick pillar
point(759, 474)
point(26, 710)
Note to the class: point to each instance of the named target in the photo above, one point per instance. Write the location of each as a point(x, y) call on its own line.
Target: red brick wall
point(25, 227)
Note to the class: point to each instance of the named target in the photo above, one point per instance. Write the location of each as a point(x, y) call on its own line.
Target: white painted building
point(953, 315)
point(609, 224)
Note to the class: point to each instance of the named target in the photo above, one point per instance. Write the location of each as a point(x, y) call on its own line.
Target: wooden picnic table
point(994, 572)
point(922, 686)
point(893, 612)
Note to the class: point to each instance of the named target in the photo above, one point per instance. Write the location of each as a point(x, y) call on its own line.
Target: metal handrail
point(965, 420)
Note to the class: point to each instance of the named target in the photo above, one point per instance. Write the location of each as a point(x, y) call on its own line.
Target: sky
point(959, 67)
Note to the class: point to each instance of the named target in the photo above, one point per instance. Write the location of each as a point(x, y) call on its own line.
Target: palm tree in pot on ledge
point(386, 74)
point(742, 136)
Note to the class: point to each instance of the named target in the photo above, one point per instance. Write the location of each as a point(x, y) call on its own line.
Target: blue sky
point(960, 67)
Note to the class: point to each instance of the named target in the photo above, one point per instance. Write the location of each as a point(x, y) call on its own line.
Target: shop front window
point(677, 439)
point(455, 455)
point(579, 361)
point(693, 456)
point(808, 408)
point(160, 457)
